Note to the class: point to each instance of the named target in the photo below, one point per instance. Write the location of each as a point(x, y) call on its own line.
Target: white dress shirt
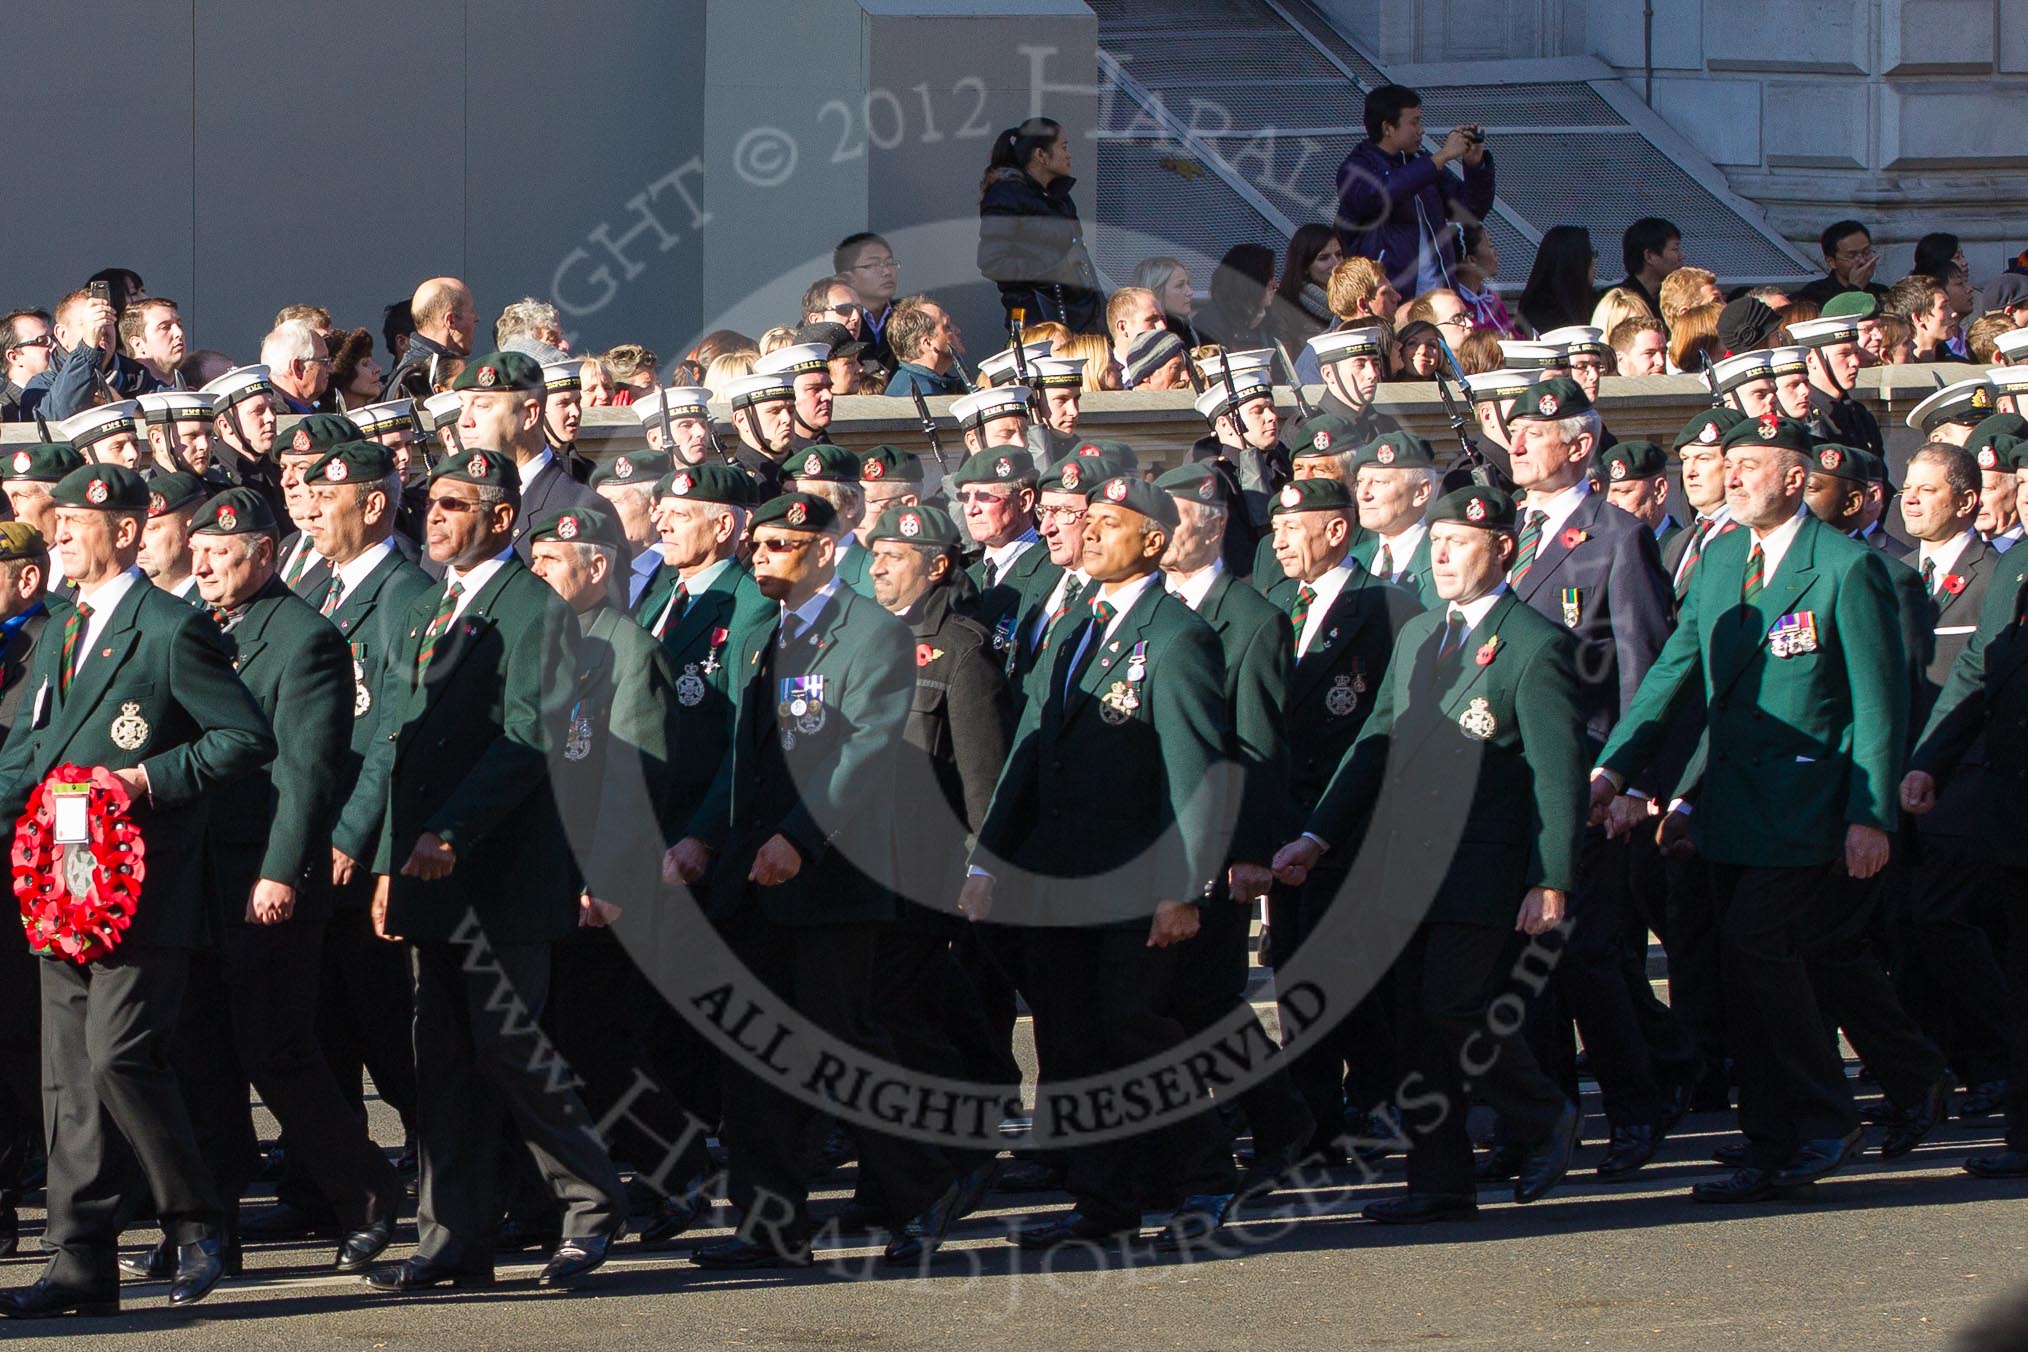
point(1944, 556)
point(1400, 550)
point(532, 466)
point(355, 573)
point(1557, 507)
point(1193, 589)
point(1122, 600)
point(1327, 588)
point(1774, 546)
point(102, 599)
point(471, 582)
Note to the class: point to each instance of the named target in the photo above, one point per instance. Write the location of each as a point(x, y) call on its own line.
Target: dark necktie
point(672, 611)
point(1756, 575)
point(1455, 628)
point(1073, 592)
point(1095, 637)
point(1299, 614)
point(438, 625)
point(298, 565)
point(331, 595)
point(73, 631)
point(1528, 546)
point(1692, 552)
point(1929, 576)
point(992, 573)
point(1387, 562)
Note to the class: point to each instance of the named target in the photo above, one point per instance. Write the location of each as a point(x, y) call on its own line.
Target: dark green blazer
point(466, 755)
point(1031, 628)
point(1254, 640)
point(830, 790)
point(1987, 697)
point(202, 730)
point(276, 823)
point(852, 566)
point(1412, 574)
point(371, 618)
point(1480, 786)
point(1796, 748)
point(16, 656)
point(1267, 569)
point(735, 604)
point(1083, 795)
point(1001, 607)
point(1350, 655)
point(1954, 610)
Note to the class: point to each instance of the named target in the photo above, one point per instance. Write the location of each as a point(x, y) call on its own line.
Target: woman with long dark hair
point(1242, 286)
point(1300, 311)
point(1030, 241)
point(1563, 284)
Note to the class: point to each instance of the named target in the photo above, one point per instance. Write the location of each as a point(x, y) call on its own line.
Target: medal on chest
point(577, 743)
point(130, 730)
point(690, 687)
point(1793, 635)
point(362, 698)
point(801, 708)
point(1478, 722)
point(1342, 699)
point(1573, 606)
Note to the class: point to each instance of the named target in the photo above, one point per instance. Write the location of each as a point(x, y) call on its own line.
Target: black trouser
point(1360, 1058)
point(366, 1012)
point(1102, 995)
point(1696, 980)
point(2012, 883)
point(1210, 989)
point(20, 1067)
point(1856, 995)
point(991, 956)
point(826, 974)
point(478, 1032)
point(250, 1019)
point(1954, 951)
point(1460, 1018)
point(1791, 1080)
point(113, 1112)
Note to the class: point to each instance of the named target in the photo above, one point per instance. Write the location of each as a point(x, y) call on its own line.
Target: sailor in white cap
point(1745, 381)
point(1586, 355)
point(1952, 412)
point(106, 434)
point(439, 419)
point(1493, 394)
point(1002, 368)
point(393, 423)
point(1351, 363)
point(993, 417)
point(681, 415)
point(1538, 355)
point(2011, 348)
point(1791, 368)
point(807, 366)
point(179, 430)
point(1245, 446)
point(563, 412)
point(1211, 368)
point(1060, 380)
point(2009, 383)
point(1834, 357)
point(763, 417)
point(244, 414)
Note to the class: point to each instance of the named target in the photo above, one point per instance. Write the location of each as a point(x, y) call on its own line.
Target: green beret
point(1770, 430)
point(1137, 494)
point(824, 463)
point(626, 469)
point(1396, 450)
point(1850, 305)
point(103, 488)
point(1325, 434)
point(1709, 427)
point(488, 469)
point(1080, 474)
point(928, 527)
point(2005, 452)
point(996, 465)
point(1840, 462)
point(44, 462)
point(711, 482)
point(19, 540)
point(1200, 482)
point(516, 372)
point(316, 433)
point(1632, 460)
point(173, 492)
point(352, 462)
point(581, 526)
point(1557, 397)
point(1313, 495)
point(1980, 443)
point(798, 511)
point(1874, 467)
point(1118, 451)
point(1487, 508)
point(889, 462)
point(236, 511)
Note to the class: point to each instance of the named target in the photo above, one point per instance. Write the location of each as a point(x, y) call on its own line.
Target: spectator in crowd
point(533, 319)
point(727, 367)
point(1473, 282)
point(1685, 289)
point(1937, 252)
point(1694, 338)
point(1480, 352)
point(1030, 242)
point(316, 316)
point(2007, 294)
point(124, 287)
point(1563, 284)
point(1640, 346)
point(85, 362)
point(355, 375)
point(1048, 331)
point(1651, 248)
point(834, 300)
point(1300, 310)
point(1919, 299)
point(633, 368)
point(1396, 201)
point(446, 319)
point(1849, 262)
point(1616, 306)
point(866, 261)
point(299, 366)
point(1243, 290)
point(594, 383)
point(717, 343)
point(1131, 312)
point(1416, 351)
point(25, 345)
point(1096, 353)
point(397, 324)
point(201, 367)
point(776, 338)
point(1979, 338)
point(1959, 300)
point(1444, 311)
point(151, 332)
point(1174, 292)
point(1897, 340)
point(1359, 294)
point(926, 346)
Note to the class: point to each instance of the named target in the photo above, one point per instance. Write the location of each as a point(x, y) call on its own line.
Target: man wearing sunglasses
point(25, 345)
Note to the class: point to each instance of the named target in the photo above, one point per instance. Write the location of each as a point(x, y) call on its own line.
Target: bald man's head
point(446, 314)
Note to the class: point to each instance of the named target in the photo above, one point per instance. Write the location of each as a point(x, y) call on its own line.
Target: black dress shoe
point(515, 1235)
point(152, 1265)
point(834, 1152)
point(576, 1258)
point(1630, 1148)
point(1817, 1159)
point(1905, 1130)
point(420, 1274)
point(1732, 1153)
point(1198, 1224)
point(1075, 1227)
point(923, 1236)
point(1499, 1164)
point(198, 1268)
point(675, 1214)
point(1983, 1099)
point(974, 1188)
point(1420, 1208)
point(358, 1249)
point(1747, 1184)
point(284, 1221)
point(1548, 1162)
point(1264, 1176)
point(45, 1300)
point(1029, 1176)
point(1675, 1106)
point(749, 1253)
point(2004, 1164)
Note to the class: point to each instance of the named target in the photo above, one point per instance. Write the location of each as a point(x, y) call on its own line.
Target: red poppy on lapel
point(1573, 537)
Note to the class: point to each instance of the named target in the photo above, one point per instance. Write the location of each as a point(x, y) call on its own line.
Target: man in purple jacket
point(1395, 200)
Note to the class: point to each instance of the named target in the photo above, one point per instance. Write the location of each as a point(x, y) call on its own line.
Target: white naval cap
point(393, 415)
point(1742, 368)
point(1058, 372)
point(441, 410)
point(973, 411)
point(684, 401)
point(1217, 401)
point(1484, 387)
point(1966, 401)
point(241, 382)
point(1824, 332)
point(172, 406)
point(762, 387)
point(1522, 355)
point(794, 360)
point(1576, 338)
point(1368, 340)
point(96, 424)
point(1001, 365)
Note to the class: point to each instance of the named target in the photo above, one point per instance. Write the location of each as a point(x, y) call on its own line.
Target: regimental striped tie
point(1528, 546)
point(1386, 562)
point(1692, 551)
point(1929, 576)
point(678, 599)
point(439, 624)
point(299, 564)
point(1073, 592)
point(1455, 627)
point(1299, 614)
point(992, 571)
point(1756, 576)
point(331, 595)
point(73, 630)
